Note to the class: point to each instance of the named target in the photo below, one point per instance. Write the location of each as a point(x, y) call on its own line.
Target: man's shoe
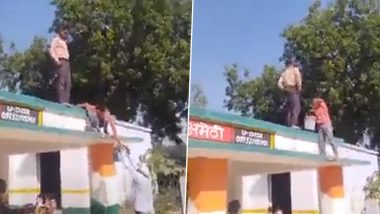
point(296, 127)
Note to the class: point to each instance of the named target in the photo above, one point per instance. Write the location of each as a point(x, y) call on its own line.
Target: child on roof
point(324, 126)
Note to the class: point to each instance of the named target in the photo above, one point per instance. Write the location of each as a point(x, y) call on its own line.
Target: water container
point(310, 123)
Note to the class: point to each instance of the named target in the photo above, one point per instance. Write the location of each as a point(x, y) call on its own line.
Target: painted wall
point(304, 190)
point(248, 185)
point(208, 184)
point(355, 178)
point(137, 149)
point(75, 168)
point(251, 189)
point(23, 182)
point(23, 169)
point(63, 122)
point(129, 130)
point(4, 162)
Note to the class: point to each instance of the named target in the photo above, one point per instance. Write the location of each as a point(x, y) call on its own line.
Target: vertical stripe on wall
point(105, 184)
point(332, 197)
point(75, 182)
point(208, 182)
point(331, 181)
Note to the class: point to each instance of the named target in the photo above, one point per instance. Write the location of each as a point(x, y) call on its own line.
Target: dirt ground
point(131, 211)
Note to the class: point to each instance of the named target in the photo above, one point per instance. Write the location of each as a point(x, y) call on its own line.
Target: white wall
point(137, 149)
point(247, 185)
point(304, 190)
point(244, 176)
point(63, 122)
point(23, 179)
point(355, 178)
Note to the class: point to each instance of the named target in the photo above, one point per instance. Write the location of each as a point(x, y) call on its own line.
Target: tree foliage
point(198, 98)
point(168, 172)
point(372, 187)
point(339, 51)
point(131, 55)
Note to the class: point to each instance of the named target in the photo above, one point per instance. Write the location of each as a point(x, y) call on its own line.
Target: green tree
point(253, 97)
point(339, 50)
point(131, 55)
point(198, 98)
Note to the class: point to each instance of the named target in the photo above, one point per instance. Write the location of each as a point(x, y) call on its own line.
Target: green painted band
point(229, 118)
point(99, 208)
point(72, 210)
point(197, 144)
point(37, 103)
point(52, 130)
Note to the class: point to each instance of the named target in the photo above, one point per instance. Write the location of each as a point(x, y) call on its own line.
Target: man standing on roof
point(324, 126)
point(99, 117)
point(291, 82)
point(59, 52)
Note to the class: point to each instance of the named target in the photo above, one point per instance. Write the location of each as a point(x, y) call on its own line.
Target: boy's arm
point(280, 82)
point(52, 50)
point(111, 121)
point(87, 106)
point(129, 167)
point(298, 79)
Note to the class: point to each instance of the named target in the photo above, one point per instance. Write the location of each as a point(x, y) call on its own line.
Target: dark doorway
point(50, 165)
point(281, 192)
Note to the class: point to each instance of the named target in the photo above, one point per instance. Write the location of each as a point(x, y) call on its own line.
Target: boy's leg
point(321, 141)
point(295, 97)
point(330, 139)
point(288, 109)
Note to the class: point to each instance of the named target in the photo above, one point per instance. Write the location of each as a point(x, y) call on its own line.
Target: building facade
point(267, 166)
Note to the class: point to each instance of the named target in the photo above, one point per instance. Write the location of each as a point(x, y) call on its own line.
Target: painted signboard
point(19, 114)
point(201, 130)
point(250, 137)
point(213, 132)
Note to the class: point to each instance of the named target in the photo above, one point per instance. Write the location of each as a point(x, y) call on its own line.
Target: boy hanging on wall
point(324, 126)
point(99, 117)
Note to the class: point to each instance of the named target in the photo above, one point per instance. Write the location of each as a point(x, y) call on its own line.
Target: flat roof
point(26, 138)
point(41, 104)
point(258, 154)
point(236, 120)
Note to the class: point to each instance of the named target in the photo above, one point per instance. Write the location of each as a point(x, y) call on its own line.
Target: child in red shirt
point(324, 126)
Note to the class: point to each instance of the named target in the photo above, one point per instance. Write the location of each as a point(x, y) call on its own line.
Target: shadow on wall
point(257, 187)
point(191, 209)
point(25, 168)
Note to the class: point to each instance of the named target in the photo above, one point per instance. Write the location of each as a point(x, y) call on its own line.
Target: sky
point(22, 20)
point(246, 32)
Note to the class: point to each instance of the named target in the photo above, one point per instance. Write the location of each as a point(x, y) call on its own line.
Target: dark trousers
point(293, 108)
point(62, 83)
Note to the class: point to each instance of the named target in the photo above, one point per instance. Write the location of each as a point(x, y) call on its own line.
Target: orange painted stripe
point(331, 181)
point(207, 180)
point(102, 160)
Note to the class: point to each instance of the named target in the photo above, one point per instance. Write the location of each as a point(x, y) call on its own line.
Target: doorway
point(281, 192)
point(50, 177)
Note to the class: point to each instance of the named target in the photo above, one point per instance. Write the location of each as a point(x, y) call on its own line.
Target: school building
point(265, 165)
point(44, 148)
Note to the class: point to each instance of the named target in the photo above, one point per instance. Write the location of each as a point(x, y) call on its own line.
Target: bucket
point(309, 123)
